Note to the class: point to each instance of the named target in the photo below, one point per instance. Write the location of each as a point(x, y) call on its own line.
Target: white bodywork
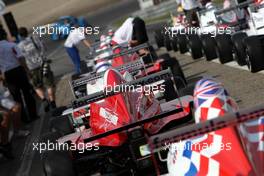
point(208, 21)
point(256, 21)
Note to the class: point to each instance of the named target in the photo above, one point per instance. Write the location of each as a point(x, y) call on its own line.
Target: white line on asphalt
point(235, 65)
point(230, 64)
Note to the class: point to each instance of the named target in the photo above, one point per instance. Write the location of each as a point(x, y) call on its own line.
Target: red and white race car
point(132, 133)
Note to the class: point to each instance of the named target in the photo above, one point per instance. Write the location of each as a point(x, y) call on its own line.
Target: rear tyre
point(159, 38)
point(58, 111)
point(61, 125)
point(195, 46)
point(182, 42)
point(224, 48)
point(209, 45)
point(170, 92)
point(187, 90)
point(176, 69)
point(239, 48)
point(254, 49)
point(174, 44)
point(167, 43)
point(57, 162)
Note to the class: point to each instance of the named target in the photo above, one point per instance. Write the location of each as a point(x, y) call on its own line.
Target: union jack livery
point(220, 152)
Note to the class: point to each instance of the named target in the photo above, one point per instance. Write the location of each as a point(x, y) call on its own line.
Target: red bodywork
point(119, 110)
point(220, 152)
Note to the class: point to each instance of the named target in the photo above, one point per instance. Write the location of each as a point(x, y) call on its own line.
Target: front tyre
point(195, 46)
point(209, 47)
point(224, 48)
point(239, 48)
point(255, 54)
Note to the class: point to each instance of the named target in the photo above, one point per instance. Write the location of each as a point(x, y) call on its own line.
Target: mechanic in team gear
point(133, 31)
point(42, 76)
point(76, 36)
point(14, 70)
point(190, 8)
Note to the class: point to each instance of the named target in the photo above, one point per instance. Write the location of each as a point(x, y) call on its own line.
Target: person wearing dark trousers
point(42, 76)
point(190, 8)
point(75, 37)
point(133, 31)
point(14, 71)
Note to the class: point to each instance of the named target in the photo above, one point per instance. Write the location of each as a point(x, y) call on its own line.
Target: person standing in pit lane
point(14, 70)
point(190, 8)
point(76, 36)
point(33, 50)
point(133, 32)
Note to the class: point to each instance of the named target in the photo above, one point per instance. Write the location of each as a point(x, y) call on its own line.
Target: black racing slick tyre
point(189, 90)
point(57, 162)
point(174, 44)
point(182, 43)
point(209, 46)
point(159, 38)
point(224, 48)
point(61, 124)
point(176, 69)
point(178, 75)
point(170, 92)
point(167, 42)
point(239, 48)
point(58, 111)
point(255, 54)
point(195, 46)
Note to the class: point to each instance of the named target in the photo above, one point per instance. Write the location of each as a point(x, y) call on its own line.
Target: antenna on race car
point(155, 77)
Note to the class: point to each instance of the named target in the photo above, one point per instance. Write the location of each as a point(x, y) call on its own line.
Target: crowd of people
point(25, 76)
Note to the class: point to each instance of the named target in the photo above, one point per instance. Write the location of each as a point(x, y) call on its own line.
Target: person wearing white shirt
point(190, 8)
point(76, 36)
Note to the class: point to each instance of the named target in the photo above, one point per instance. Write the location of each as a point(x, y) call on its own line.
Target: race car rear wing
point(134, 124)
point(125, 52)
point(159, 141)
point(130, 67)
point(155, 77)
point(128, 51)
point(238, 6)
point(92, 75)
